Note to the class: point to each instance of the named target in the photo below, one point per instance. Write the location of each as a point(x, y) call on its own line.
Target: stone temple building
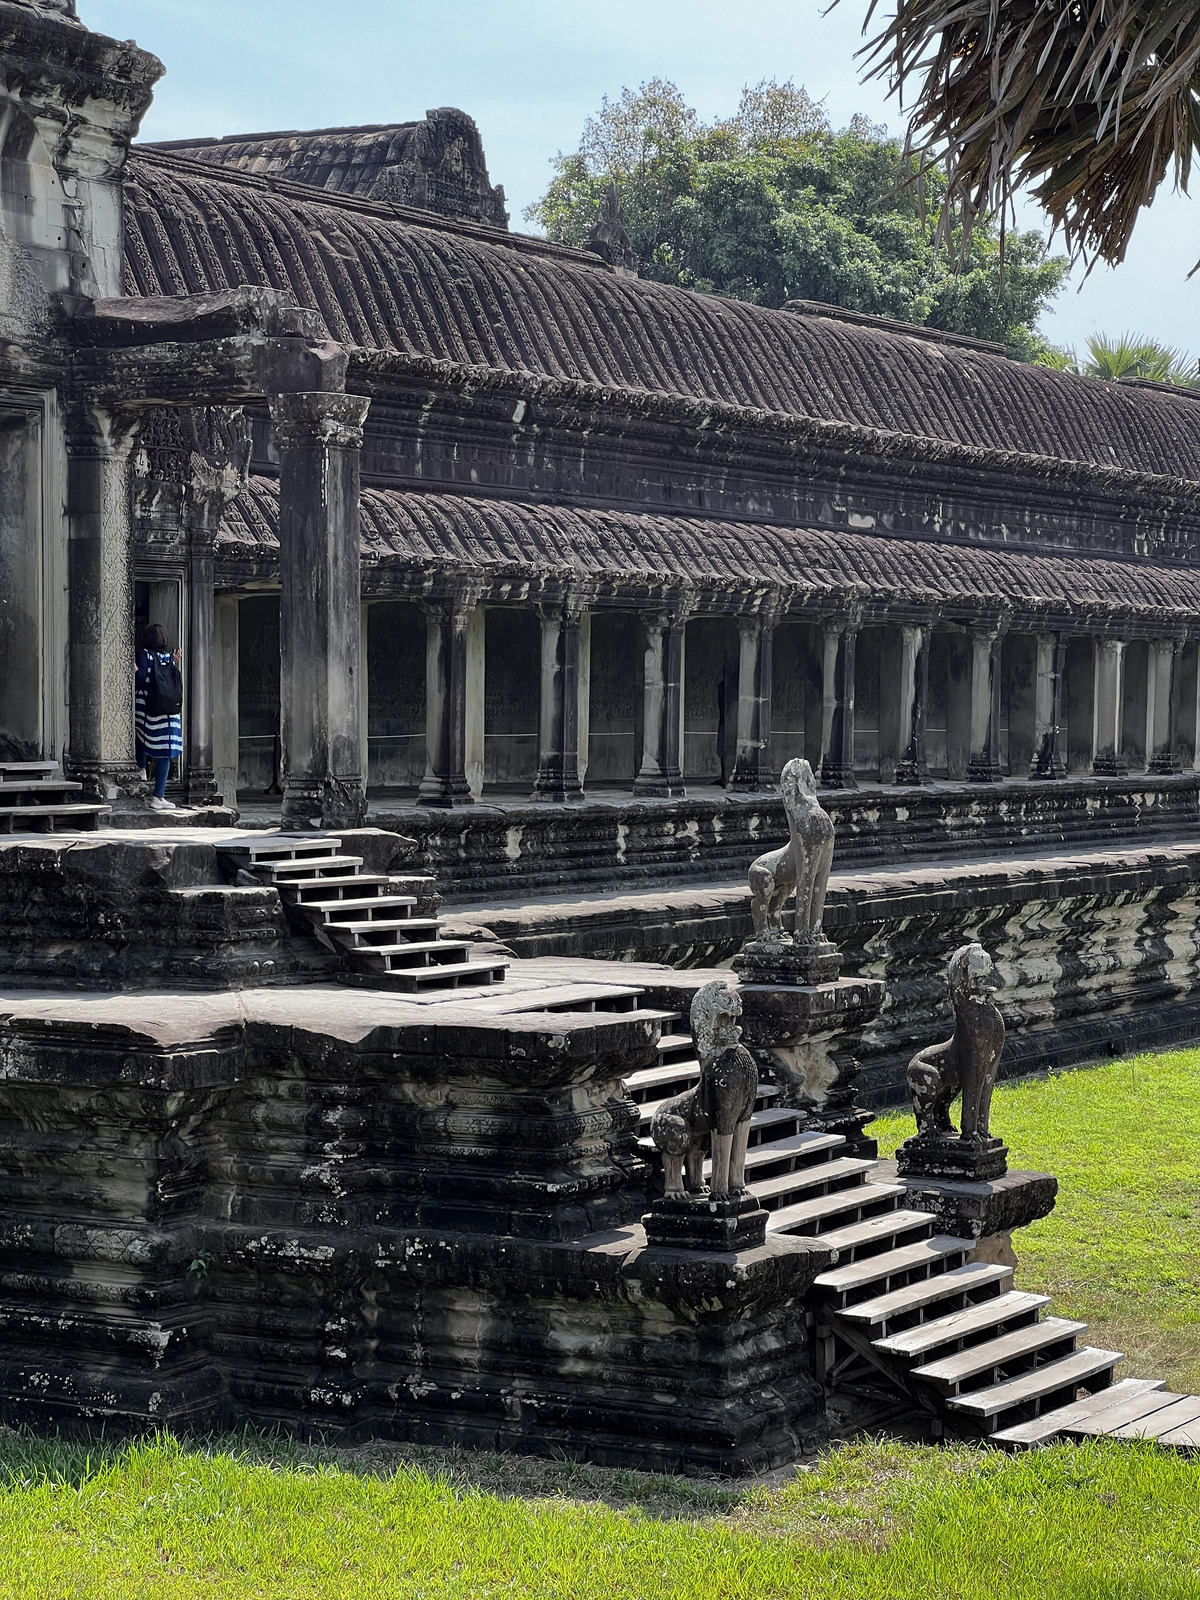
point(548, 570)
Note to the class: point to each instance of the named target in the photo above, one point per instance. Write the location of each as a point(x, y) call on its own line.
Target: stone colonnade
point(976, 701)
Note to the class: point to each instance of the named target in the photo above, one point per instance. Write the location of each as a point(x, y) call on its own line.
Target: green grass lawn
point(878, 1520)
point(1121, 1249)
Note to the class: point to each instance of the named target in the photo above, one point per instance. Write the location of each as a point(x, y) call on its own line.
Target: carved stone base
point(987, 1212)
point(779, 961)
point(949, 1155)
point(701, 1222)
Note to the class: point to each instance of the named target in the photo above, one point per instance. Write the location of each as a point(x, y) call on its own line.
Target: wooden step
point(1133, 1409)
point(875, 1232)
point(393, 932)
point(345, 880)
point(929, 1256)
point(37, 789)
point(949, 1373)
point(775, 1191)
point(1041, 1430)
point(467, 975)
point(296, 846)
point(324, 907)
point(34, 771)
point(1181, 1418)
point(1044, 1382)
point(666, 1076)
point(767, 1125)
point(813, 1149)
point(289, 872)
point(87, 815)
point(649, 1107)
point(426, 953)
point(928, 1336)
point(365, 913)
point(847, 1204)
point(380, 922)
point(973, 1278)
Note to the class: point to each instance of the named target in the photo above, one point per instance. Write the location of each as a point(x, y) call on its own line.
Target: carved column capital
point(319, 420)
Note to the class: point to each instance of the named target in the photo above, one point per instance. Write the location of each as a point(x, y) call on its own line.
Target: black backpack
point(164, 693)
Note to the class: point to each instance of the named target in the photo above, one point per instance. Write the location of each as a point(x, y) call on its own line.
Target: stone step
point(913, 1299)
point(774, 1192)
point(927, 1258)
point(844, 1205)
point(989, 1362)
point(865, 1240)
point(1054, 1382)
point(999, 1312)
point(1051, 1424)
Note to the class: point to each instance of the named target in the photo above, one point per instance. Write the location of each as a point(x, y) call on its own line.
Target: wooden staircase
point(905, 1314)
point(36, 798)
point(383, 926)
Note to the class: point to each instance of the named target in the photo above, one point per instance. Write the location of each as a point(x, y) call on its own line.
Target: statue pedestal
point(950, 1155)
point(801, 1021)
point(701, 1222)
point(987, 1212)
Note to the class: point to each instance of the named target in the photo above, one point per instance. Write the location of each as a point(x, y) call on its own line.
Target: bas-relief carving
point(717, 1111)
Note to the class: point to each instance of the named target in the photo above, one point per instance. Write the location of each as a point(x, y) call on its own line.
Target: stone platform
point(372, 1215)
point(1099, 949)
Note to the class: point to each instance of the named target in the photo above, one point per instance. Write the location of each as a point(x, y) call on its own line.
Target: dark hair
point(155, 637)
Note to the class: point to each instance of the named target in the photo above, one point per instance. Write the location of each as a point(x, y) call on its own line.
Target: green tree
point(772, 204)
point(1125, 357)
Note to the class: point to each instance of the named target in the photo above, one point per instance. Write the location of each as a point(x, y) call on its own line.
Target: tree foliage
point(773, 204)
point(1090, 102)
point(1126, 356)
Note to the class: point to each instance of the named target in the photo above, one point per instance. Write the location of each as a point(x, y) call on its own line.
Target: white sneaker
point(161, 805)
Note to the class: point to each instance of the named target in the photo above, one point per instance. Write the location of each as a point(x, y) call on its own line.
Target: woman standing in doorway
point(159, 708)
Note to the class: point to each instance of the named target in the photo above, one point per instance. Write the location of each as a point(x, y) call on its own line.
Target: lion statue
point(800, 866)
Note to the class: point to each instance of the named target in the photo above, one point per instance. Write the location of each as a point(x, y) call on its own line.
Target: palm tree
point(1090, 102)
point(1129, 357)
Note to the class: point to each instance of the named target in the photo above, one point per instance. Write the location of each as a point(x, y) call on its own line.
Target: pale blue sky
point(530, 71)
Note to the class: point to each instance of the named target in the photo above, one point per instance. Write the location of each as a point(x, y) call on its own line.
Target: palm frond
point(1088, 102)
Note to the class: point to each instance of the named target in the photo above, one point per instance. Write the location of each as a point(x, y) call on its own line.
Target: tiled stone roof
point(467, 533)
point(386, 281)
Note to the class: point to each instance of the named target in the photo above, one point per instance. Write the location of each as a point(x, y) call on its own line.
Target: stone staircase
point(905, 1314)
point(36, 798)
point(384, 927)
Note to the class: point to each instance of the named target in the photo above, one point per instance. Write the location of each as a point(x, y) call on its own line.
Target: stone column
point(558, 777)
point(913, 766)
point(320, 440)
point(986, 644)
point(752, 764)
point(837, 705)
point(200, 780)
point(447, 625)
point(1048, 756)
point(1107, 759)
point(225, 697)
point(662, 690)
point(1162, 708)
point(100, 582)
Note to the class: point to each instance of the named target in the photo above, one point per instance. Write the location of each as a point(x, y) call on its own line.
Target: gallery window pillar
point(320, 441)
point(1107, 759)
point(837, 704)
point(661, 774)
point(752, 766)
point(562, 730)
point(986, 645)
point(100, 580)
point(913, 766)
point(225, 697)
point(1162, 710)
point(1048, 760)
point(448, 625)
